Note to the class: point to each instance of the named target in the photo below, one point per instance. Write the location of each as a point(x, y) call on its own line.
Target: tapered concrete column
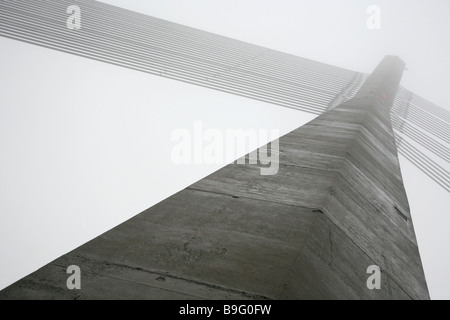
point(336, 206)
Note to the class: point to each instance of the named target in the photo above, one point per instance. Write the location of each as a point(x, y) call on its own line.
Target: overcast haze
point(73, 190)
point(330, 31)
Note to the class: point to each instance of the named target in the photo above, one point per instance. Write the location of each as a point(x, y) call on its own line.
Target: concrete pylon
point(336, 207)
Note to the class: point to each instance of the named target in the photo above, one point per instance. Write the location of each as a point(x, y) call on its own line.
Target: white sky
point(330, 31)
point(81, 191)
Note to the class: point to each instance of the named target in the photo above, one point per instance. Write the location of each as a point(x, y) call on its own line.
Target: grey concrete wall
point(336, 206)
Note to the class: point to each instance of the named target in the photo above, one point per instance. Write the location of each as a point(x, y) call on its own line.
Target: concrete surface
point(336, 206)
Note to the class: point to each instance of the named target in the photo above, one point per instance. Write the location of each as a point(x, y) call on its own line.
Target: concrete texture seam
point(251, 198)
point(208, 285)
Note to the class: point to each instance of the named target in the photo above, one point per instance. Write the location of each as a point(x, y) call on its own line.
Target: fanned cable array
point(423, 135)
point(133, 40)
